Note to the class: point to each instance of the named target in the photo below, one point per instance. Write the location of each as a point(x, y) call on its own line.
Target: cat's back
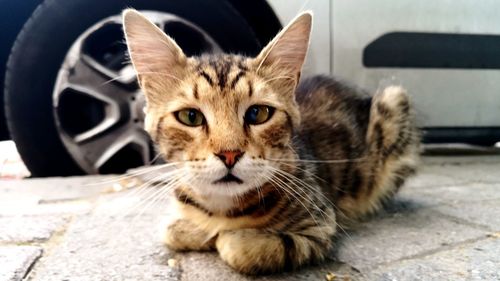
point(366, 146)
point(325, 101)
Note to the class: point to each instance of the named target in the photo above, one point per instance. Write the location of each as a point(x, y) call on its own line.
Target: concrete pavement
point(444, 225)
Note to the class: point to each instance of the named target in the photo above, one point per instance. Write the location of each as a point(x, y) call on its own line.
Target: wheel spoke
point(101, 148)
point(111, 112)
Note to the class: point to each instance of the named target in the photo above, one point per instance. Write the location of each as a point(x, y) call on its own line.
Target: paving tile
point(473, 172)
point(208, 266)
point(54, 189)
point(440, 176)
point(477, 261)
point(103, 247)
point(71, 195)
point(399, 235)
point(452, 194)
point(485, 213)
point(28, 207)
point(150, 200)
point(429, 176)
point(23, 229)
point(16, 261)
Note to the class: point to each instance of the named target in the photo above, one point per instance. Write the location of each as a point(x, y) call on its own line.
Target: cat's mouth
point(228, 178)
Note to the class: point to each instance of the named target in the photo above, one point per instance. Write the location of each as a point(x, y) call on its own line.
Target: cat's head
point(225, 118)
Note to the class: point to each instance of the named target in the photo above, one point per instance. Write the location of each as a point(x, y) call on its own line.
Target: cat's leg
point(182, 235)
point(258, 251)
point(392, 152)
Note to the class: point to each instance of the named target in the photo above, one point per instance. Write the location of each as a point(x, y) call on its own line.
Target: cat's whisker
point(139, 190)
point(126, 200)
point(161, 74)
point(318, 161)
point(153, 192)
point(163, 190)
point(304, 170)
point(159, 178)
point(139, 171)
point(145, 191)
point(323, 214)
point(289, 145)
point(284, 186)
point(168, 177)
point(313, 190)
point(267, 178)
point(279, 77)
point(306, 197)
point(304, 184)
point(150, 196)
point(115, 79)
point(300, 184)
point(156, 158)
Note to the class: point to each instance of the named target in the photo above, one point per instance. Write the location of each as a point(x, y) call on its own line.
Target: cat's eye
point(258, 114)
point(190, 117)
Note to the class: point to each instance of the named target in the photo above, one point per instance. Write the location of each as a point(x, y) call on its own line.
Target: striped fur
point(329, 154)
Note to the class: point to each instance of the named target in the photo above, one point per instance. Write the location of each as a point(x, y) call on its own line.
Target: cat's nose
point(229, 158)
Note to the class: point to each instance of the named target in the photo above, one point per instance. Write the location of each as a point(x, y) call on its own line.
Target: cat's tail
point(393, 148)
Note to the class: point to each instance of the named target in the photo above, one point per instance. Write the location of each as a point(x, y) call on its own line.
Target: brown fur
point(328, 155)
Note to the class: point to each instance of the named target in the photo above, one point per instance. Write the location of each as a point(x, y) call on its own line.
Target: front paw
point(182, 235)
point(251, 251)
point(258, 251)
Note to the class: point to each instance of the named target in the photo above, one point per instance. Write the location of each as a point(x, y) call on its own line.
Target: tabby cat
point(267, 169)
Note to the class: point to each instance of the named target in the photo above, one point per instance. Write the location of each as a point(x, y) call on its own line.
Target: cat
point(267, 169)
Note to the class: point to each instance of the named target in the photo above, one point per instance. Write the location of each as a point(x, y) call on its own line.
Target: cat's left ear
point(287, 51)
point(152, 51)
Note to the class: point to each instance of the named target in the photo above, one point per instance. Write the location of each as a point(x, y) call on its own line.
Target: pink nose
point(229, 158)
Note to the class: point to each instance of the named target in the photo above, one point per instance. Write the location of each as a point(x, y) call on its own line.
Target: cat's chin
point(221, 197)
point(226, 185)
point(225, 188)
point(227, 179)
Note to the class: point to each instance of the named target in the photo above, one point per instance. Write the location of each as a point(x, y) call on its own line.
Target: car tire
point(42, 45)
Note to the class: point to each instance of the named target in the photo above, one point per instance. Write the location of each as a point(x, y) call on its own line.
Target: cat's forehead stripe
point(222, 66)
point(237, 78)
point(250, 88)
point(195, 90)
point(207, 77)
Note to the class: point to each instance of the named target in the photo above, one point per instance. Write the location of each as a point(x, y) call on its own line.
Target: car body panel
point(443, 97)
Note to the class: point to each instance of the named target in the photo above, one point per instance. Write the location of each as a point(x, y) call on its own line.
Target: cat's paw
point(251, 251)
point(257, 251)
point(182, 235)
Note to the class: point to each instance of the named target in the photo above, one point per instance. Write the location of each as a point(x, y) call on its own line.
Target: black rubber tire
point(13, 15)
point(40, 49)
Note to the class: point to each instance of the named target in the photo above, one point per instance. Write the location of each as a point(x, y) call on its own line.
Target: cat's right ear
point(287, 51)
point(153, 53)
